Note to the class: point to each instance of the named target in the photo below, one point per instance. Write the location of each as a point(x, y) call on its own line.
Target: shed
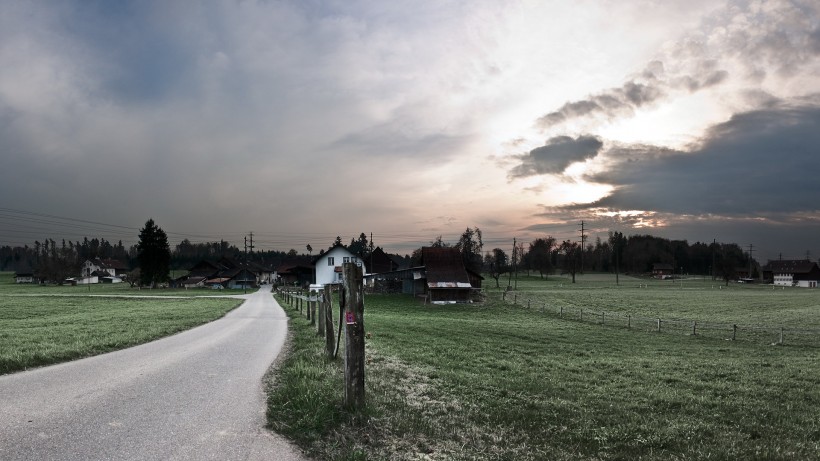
point(447, 279)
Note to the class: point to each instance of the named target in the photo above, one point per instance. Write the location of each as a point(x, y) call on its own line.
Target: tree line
point(544, 255)
point(635, 254)
point(53, 261)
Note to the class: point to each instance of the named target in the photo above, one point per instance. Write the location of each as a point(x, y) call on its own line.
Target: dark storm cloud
point(556, 155)
point(758, 162)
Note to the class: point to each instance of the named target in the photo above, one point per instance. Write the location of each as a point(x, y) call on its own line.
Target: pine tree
point(153, 254)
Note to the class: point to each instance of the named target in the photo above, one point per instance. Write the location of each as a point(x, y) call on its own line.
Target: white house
point(24, 277)
point(327, 267)
point(102, 271)
point(793, 272)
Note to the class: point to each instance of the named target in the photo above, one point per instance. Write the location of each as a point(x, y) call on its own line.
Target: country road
point(196, 395)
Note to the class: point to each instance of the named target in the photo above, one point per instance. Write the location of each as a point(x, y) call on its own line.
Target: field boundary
point(761, 334)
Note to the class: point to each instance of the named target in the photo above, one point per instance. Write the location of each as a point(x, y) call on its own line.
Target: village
point(441, 275)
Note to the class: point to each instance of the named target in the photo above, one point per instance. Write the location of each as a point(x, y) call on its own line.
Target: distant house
point(192, 282)
point(294, 273)
point(225, 273)
point(662, 270)
point(792, 272)
point(102, 270)
point(380, 262)
point(24, 276)
point(204, 268)
point(328, 266)
point(447, 280)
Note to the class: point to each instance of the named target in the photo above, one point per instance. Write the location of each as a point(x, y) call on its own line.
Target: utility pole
point(371, 253)
point(509, 278)
point(244, 282)
point(583, 239)
point(751, 248)
point(515, 261)
point(714, 244)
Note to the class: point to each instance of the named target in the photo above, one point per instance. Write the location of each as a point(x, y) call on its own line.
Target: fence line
point(722, 330)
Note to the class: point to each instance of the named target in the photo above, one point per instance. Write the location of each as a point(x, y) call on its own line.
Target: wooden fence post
point(629, 320)
point(312, 307)
point(734, 332)
point(354, 336)
point(320, 315)
point(330, 339)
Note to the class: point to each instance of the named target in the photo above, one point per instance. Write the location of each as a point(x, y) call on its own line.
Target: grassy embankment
point(46, 325)
point(496, 381)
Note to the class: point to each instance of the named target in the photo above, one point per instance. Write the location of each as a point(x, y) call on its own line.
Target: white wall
point(325, 268)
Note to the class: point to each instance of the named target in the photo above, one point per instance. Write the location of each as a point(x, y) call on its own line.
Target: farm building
point(792, 272)
point(662, 270)
point(447, 280)
point(379, 262)
point(24, 277)
point(104, 268)
point(442, 278)
point(227, 273)
point(293, 273)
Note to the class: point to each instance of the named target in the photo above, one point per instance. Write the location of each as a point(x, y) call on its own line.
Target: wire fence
point(761, 334)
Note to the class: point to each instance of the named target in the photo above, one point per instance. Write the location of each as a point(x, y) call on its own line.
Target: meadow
point(496, 380)
point(42, 325)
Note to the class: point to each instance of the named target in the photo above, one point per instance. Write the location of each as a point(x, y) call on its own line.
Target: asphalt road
point(196, 395)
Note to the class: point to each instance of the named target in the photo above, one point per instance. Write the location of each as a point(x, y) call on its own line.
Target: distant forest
point(637, 254)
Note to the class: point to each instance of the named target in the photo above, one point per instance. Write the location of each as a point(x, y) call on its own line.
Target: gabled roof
point(108, 263)
point(379, 261)
point(322, 255)
point(293, 267)
point(790, 266)
point(445, 268)
point(193, 280)
point(115, 264)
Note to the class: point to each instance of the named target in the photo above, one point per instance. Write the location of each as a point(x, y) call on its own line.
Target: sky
point(300, 121)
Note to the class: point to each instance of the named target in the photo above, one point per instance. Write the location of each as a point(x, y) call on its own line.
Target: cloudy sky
point(303, 120)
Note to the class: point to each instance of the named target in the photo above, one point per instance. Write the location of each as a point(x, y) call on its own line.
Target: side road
point(196, 395)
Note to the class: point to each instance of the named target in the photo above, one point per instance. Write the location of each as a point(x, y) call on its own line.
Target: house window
point(346, 259)
point(330, 261)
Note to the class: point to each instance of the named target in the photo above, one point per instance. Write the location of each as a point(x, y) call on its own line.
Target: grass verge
point(43, 330)
point(498, 382)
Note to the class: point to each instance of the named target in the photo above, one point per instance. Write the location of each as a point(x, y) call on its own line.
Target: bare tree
point(496, 263)
point(571, 252)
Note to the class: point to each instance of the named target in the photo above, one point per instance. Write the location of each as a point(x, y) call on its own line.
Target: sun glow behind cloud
point(445, 106)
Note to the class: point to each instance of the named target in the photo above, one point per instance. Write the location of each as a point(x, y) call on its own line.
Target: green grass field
point(758, 311)
point(46, 325)
point(498, 381)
